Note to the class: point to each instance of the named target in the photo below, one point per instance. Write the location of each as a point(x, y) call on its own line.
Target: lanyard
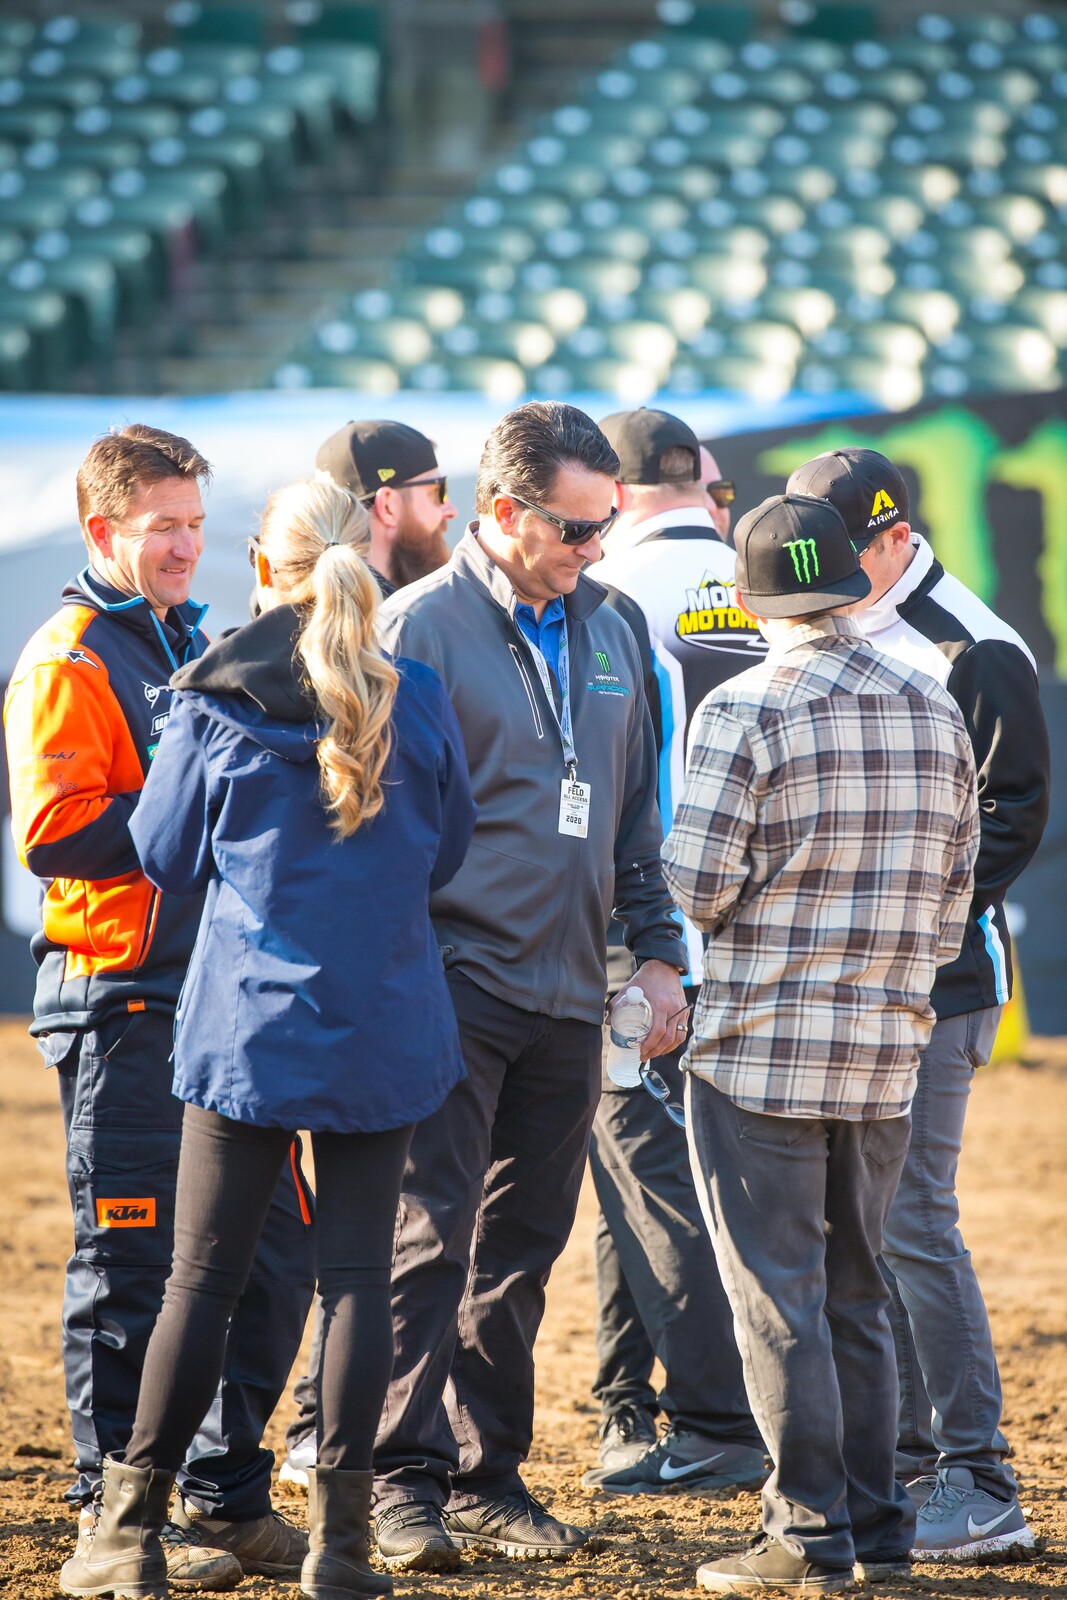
point(562, 719)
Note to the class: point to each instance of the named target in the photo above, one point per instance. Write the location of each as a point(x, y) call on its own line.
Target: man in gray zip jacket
point(547, 684)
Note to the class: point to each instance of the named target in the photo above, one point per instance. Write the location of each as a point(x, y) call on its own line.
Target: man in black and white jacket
point(950, 1447)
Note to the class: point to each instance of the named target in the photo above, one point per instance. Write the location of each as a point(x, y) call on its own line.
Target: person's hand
point(662, 988)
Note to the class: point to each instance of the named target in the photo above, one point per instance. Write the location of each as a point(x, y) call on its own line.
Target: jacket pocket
point(528, 685)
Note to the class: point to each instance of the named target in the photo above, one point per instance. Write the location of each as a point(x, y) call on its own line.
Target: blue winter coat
point(315, 996)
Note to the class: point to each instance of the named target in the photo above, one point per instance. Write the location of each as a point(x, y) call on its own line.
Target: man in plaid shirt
point(826, 841)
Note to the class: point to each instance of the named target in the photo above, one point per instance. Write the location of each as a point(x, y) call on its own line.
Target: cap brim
point(842, 593)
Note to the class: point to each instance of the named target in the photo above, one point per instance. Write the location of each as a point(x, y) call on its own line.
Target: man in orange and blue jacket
point(86, 706)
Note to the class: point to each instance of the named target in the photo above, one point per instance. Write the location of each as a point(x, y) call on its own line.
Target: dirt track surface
point(1015, 1219)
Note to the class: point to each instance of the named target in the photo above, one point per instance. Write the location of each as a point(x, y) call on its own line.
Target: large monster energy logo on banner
point(805, 559)
point(988, 483)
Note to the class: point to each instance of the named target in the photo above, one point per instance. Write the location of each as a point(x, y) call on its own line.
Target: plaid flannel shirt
point(825, 840)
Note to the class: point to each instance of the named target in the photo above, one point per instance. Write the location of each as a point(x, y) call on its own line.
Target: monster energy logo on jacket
point(805, 559)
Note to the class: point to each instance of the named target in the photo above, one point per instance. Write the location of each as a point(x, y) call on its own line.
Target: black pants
point(226, 1176)
point(488, 1202)
point(123, 1128)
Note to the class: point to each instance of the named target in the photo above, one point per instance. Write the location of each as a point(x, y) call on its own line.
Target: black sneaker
point(769, 1565)
point(882, 1569)
point(515, 1525)
point(684, 1462)
point(411, 1537)
point(625, 1435)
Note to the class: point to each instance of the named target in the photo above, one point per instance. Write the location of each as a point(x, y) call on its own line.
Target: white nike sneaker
point(961, 1522)
point(684, 1462)
point(298, 1462)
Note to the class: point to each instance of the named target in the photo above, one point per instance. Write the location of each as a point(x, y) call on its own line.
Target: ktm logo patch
point(126, 1213)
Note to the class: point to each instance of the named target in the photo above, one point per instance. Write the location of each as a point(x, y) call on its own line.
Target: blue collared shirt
point(547, 633)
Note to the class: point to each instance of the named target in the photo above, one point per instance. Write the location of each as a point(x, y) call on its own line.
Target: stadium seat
point(436, 308)
point(402, 341)
point(218, 24)
point(733, 23)
point(48, 321)
point(339, 372)
point(16, 357)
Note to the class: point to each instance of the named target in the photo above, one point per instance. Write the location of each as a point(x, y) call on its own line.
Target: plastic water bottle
point(629, 1022)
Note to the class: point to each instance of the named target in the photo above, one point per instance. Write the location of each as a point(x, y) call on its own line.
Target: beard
point(416, 553)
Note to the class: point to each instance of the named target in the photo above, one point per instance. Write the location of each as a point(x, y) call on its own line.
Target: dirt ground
point(1015, 1217)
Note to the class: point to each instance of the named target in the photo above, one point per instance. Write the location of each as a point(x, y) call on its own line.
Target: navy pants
point(123, 1128)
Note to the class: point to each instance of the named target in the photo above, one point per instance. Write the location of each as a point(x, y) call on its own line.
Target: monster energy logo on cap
point(794, 557)
point(805, 559)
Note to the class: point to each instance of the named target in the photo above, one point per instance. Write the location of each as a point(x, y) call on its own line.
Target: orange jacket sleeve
point(63, 727)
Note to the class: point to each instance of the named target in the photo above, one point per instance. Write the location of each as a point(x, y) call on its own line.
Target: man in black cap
point(668, 573)
point(393, 470)
point(951, 1450)
point(825, 841)
point(719, 493)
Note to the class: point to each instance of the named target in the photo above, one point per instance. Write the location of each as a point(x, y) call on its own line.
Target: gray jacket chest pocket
point(533, 695)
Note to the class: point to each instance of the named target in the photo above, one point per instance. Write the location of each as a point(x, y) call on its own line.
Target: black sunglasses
point(569, 532)
point(660, 1091)
point(440, 484)
point(722, 491)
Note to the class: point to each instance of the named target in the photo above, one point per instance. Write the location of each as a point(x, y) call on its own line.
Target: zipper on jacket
point(149, 930)
point(538, 724)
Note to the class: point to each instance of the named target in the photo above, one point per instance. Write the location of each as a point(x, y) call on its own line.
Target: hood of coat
point(250, 679)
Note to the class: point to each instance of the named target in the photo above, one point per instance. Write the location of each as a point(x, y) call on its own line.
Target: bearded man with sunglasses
point(546, 682)
point(392, 468)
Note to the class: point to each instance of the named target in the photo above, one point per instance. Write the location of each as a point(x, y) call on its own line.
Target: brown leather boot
point(338, 1563)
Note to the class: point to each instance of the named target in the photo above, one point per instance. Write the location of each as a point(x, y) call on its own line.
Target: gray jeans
point(950, 1396)
point(795, 1208)
point(658, 1288)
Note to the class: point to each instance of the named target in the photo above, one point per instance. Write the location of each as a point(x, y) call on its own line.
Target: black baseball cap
point(367, 456)
point(639, 438)
point(862, 485)
point(794, 555)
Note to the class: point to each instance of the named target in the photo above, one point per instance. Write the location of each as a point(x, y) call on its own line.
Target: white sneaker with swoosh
point(961, 1522)
point(684, 1462)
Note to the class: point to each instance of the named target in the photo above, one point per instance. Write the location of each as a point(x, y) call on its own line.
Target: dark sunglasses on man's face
point(569, 532)
point(723, 492)
point(440, 484)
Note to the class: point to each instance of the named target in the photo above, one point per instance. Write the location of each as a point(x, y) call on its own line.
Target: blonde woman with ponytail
point(319, 793)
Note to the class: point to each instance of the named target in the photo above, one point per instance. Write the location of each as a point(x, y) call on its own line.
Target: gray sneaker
point(769, 1565)
point(514, 1525)
point(411, 1537)
point(684, 1462)
point(625, 1435)
point(961, 1522)
point(920, 1489)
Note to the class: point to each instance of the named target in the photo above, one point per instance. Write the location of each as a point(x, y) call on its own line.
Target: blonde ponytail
point(315, 536)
